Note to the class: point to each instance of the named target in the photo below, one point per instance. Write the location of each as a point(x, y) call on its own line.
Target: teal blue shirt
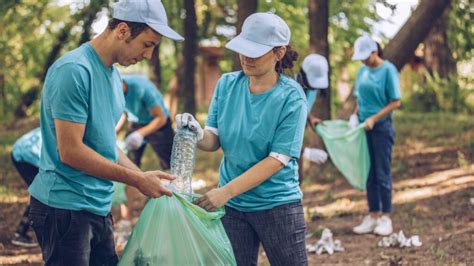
point(27, 149)
point(311, 96)
point(375, 88)
point(250, 126)
point(78, 88)
point(142, 95)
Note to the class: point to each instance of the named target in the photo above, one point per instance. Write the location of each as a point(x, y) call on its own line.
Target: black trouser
point(27, 172)
point(68, 237)
point(161, 141)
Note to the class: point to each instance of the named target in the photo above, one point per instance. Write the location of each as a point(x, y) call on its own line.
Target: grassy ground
point(433, 169)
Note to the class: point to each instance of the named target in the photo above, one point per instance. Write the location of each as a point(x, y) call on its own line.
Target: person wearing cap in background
point(313, 76)
point(81, 103)
point(149, 120)
point(25, 157)
point(258, 116)
point(377, 88)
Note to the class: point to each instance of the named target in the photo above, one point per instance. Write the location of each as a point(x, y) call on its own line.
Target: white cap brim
point(361, 55)
point(247, 48)
point(166, 31)
point(317, 82)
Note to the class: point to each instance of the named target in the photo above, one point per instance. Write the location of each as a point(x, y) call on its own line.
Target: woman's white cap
point(150, 12)
point(316, 68)
point(261, 32)
point(363, 47)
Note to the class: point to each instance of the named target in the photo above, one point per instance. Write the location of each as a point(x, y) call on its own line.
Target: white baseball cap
point(363, 47)
point(316, 68)
point(150, 12)
point(261, 32)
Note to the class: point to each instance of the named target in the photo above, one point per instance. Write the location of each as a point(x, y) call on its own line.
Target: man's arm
point(210, 142)
point(73, 152)
point(158, 122)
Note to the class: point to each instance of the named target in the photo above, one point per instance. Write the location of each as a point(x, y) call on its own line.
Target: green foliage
point(461, 28)
point(438, 94)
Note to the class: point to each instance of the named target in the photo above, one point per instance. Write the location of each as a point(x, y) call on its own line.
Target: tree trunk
point(187, 82)
point(245, 9)
point(437, 53)
point(402, 47)
point(156, 67)
point(318, 12)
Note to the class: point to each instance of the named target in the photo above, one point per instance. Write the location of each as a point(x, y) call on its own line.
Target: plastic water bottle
point(183, 159)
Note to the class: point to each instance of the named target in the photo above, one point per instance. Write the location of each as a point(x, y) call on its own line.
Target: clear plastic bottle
point(183, 159)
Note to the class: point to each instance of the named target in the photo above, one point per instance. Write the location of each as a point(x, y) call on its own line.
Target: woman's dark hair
point(302, 79)
point(287, 61)
point(379, 50)
point(135, 27)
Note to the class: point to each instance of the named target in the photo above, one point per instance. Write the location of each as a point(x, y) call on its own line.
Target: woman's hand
point(369, 123)
point(214, 199)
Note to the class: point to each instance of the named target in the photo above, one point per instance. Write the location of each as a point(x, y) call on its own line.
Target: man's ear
point(122, 31)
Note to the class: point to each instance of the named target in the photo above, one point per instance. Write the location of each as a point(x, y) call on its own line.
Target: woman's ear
point(281, 53)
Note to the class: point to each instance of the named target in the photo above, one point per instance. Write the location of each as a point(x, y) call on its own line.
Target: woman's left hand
point(369, 123)
point(213, 199)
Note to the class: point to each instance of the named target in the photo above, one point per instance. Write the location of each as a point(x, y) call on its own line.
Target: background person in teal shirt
point(25, 157)
point(258, 116)
point(149, 119)
point(377, 87)
point(81, 104)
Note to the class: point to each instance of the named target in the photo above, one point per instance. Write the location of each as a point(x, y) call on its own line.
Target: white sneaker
point(367, 226)
point(384, 226)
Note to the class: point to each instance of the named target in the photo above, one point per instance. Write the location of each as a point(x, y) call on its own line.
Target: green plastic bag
point(119, 195)
point(348, 150)
point(174, 231)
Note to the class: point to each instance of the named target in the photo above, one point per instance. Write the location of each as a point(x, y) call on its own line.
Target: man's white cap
point(261, 32)
point(150, 12)
point(363, 47)
point(316, 68)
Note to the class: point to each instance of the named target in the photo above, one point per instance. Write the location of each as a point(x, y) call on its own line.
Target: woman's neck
point(259, 84)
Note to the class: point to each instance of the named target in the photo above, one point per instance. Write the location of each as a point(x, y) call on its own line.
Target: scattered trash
point(472, 201)
point(400, 240)
point(198, 184)
point(325, 244)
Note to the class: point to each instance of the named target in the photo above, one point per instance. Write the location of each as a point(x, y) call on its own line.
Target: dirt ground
point(433, 198)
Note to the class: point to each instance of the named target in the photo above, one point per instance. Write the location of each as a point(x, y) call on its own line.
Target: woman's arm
point(251, 178)
point(370, 122)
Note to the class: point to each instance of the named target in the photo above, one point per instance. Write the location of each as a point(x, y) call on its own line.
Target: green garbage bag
point(119, 195)
point(174, 231)
point(348, 150)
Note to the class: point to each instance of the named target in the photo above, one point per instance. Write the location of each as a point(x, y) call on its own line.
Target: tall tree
point(245, 8)
point(437, 53)
point(318, 12)
point(187, 80)
point(155, 64)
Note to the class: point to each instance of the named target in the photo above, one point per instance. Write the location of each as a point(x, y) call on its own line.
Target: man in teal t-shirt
point(148, 120)
point(81, 104)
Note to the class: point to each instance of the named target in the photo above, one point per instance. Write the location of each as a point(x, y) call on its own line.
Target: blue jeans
point(379, 183)
point(72, 238)
point(281, 231)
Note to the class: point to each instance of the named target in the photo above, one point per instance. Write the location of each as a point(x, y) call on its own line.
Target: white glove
point(134, 141)
point(353, 121)
point(315, 155)
point(188, 120)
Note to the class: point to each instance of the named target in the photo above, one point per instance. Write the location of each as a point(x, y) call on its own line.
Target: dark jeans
point(281, 231)
point(27, 172)
point(379, 183)
point(161, 141)
point(72, 238)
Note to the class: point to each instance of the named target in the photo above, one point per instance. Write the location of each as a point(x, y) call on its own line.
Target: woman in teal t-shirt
point(377, 88)
point(258, 116)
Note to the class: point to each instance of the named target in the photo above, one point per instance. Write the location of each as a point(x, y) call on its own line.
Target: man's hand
point(134, 141)
point(369, 123)
point(149, 183)
point(313, 121)
point(214, 199)
point(183, 120)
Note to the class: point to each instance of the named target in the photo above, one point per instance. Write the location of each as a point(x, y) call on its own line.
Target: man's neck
point(102, 46)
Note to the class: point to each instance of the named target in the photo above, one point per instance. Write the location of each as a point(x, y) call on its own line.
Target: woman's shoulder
point(291, 87)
